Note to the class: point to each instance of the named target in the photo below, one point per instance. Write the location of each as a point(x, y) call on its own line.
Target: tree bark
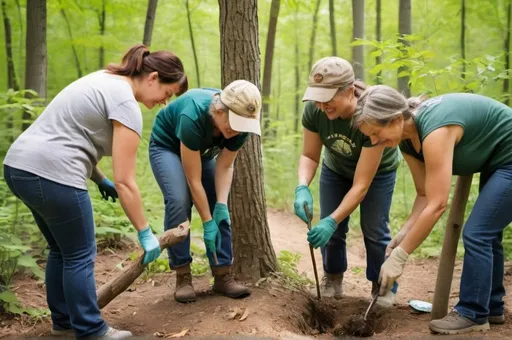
point(404, 27)
point(378, 37)
point(36, 58)
point(102, 13)
point(12, 81)
point(193, 43)
point(267, 68)
point(150, 21)
point(463, 38)
point(506, 46)
point(73, 48)
point(254, 256)
point(297, 74)
point(313, 35)
point(332, 25)
point(358, 33)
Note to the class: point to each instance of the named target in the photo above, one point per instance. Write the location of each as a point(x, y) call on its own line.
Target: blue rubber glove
point(221, 213)
point(303, 196)
point(107, 189)
point(211, 235)
point(150, 244)
point(320, 234)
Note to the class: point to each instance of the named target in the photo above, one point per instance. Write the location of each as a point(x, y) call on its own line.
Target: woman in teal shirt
point(453, 134)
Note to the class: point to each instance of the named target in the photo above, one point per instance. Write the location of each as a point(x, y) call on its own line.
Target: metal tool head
point(372, 303)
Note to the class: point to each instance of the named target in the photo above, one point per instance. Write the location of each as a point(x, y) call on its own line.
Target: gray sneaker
point(113, 333)
point(454, 323)
point(331, 286)
point(496, 319)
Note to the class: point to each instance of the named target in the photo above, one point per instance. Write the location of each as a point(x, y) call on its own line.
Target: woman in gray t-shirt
point(48, 165)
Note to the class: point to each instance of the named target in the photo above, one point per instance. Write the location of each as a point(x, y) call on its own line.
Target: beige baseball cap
point(244, 102)
point(326, 77)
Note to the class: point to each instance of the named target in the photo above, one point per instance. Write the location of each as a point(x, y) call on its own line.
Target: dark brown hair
point(138, 61)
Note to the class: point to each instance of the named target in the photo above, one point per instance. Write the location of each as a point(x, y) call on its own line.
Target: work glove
point(395, 242)
point(221, 213)
point(211, 235)
point(391, 269)
point(303, 197)
point(321, 233)
point(107, 189)
point(150, 244)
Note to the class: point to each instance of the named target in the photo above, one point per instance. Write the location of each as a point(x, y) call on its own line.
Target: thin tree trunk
point(463, 38)
point(267, 68)
point(73, 48)
point(332, 24)
point(313, 35)
point(378, 37)
point(150, 21)
point(193, 43)
point(358, 33)
point(297, 75)
point(101, 18)
point(506, 46)
point(12, 82)
point(254, 256)
point(20, 20)
point(404, 27)
point(36, 58)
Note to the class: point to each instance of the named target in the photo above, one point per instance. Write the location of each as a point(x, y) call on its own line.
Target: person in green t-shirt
point(353, 173)
point(193, 145)
point(452, 134)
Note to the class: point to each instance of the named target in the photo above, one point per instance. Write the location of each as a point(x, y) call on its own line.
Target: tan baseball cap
point(326, 77)
point(244, 102)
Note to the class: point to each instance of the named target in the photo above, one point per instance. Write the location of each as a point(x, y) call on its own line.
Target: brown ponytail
point(139, 61)
point(360, 87)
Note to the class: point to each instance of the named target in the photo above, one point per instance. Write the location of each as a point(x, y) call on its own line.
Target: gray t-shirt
point(75, 130)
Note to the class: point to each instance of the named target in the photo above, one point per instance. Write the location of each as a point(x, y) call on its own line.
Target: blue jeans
point(374, 221)
point(171, 178)
point(481, 284)
point(64, 216)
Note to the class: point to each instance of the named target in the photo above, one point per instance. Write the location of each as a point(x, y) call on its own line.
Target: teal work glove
point(211, 235)
point(320, 234)
point(107, 189)
point(150, 244)
point(221, 213)
point(303, 196)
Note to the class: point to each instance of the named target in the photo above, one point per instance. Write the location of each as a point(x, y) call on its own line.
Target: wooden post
point(449, 251)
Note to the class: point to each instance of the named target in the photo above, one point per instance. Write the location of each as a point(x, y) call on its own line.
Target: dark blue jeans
point(171, 178)
point(64, 216)
point(481, 284)
point(374, 221)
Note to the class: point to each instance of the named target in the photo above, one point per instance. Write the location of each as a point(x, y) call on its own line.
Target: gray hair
point(217, 104)
point(381, 104)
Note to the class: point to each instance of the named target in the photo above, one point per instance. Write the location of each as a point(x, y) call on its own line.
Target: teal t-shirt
point(187, 120)
point(487, 140)
point(343, 143)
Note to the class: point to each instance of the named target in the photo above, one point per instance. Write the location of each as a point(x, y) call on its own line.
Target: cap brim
point(319, 94)
point(243, 124)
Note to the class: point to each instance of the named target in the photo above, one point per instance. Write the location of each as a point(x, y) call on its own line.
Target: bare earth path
point(148, 307)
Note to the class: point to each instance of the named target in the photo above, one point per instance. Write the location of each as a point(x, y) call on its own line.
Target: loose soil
point(148, 308)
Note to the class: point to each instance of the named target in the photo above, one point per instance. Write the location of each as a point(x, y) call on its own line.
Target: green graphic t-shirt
point(343, 143)
point(187, 119)
point(487, 140)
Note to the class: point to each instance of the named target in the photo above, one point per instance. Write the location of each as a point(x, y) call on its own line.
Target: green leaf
point(9, 297)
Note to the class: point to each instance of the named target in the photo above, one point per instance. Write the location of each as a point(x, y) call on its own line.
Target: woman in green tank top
point(453, 134)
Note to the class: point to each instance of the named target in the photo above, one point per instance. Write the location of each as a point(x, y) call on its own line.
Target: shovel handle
point(308, 215)
point(312, 253)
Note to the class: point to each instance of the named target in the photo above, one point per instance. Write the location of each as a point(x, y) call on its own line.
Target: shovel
point(308, 215)
point(372, 303)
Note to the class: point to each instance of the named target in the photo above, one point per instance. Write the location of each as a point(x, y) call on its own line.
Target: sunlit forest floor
point(148, 308)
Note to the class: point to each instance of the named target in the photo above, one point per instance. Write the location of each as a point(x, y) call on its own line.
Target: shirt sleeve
point(310, 117)
point(128, 114)
point(189, 132)
point(235, 143)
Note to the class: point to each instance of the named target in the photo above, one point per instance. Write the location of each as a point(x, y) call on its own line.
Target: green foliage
point(287, 262)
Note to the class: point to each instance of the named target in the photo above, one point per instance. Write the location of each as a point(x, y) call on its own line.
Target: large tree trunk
point(150, 21)
point(507, 52)
point(193, 43)
point(267, 68)
point(36, 58)
point(378, 37)
point(313, 35)
point(73, 47)
point(358, 33)
point(102, 13)
point(404, 27)
point(254, 256)
point(332, 25)
point(12, 82)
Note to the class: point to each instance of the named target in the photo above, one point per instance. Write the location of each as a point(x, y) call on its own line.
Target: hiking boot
point(63, 332)
point(496, 319)
point(331, 286)
point(225, 284)
point(113, 333)
point(184, 292)
point(385, 301)
point(454, 323)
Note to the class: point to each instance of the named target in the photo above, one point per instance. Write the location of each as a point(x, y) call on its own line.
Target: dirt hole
point(319, 316)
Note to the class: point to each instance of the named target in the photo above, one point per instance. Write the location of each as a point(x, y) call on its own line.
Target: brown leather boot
point(184, 290)
point(225, 284)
